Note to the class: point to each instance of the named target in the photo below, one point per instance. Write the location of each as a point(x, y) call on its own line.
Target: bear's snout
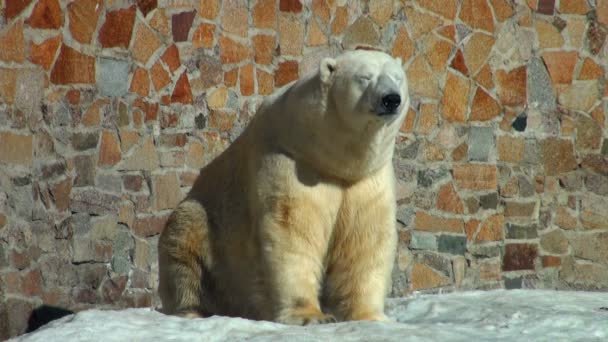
point(390, 103)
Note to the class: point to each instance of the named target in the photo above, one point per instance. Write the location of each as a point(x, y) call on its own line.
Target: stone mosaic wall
point(109, 108)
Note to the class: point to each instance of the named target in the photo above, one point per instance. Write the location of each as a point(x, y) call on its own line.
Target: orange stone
point(548, 35)
point(182, 92)
point(476, 177)
point(171, 58)
point(425, 277)
point(340, 21)
point(47, 14)
point(421, 23)
point(160, 77)
point(234, 17)
point(84, 15)
point(231, 51)
point(91, 117)
point(265, 14)
point(551, 261)
point(503, 9)
point(316, 37)
point(437, 53)
point(322, 11)
point(44, 53)
point(459, 64)
point(403, 47)
point(590, 70)
point(477, 49)
point(231, 77)
point(408, 123)
point(146, 43)
point(432, 223)
point(140, 84)
point(160, 23)
point(13, 8)
point(510, 149)
point(286, 72)
point(455, 98)
point(109, 150)
point(602, 12)
point(446, 8)
point(118, 28)
point(73, 67)
point(294, 6)
point(470, 229)
point(263, 47)
point(421, 80)
point(265, 82)
point(512, 86)
point(484, 106)
point(448, 200)
point(428, 118)
point(203, 36)
point(247, 80)
point(222, 120)
point(477, 14)
point(448, 32)
point(574, 7)
point(13, 44)
point(560, 65)
point(73, 96)
point(291, 35)
point(209, 9)
point(484, 77)
point(491, 229)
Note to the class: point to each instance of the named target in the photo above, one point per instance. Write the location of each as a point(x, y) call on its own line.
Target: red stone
point(287, 72)
point(546, 7)
point(149, 225)
point(232, 51)
point(512, 86)
point(294, 6)
point(73, 67)
point(181, 24)
point(160, 78)
point(109, 151)
point(140, 83)
point(32, 283)
point(146, 6)
point(84, 15)
point(202, 37)
point(182, 92)
point(14, 7)
point(47, 14)
point(484, 106)
point(44, 53)
point(171, 58)
point(118, 28)
point(459, 64)
point(519, 256)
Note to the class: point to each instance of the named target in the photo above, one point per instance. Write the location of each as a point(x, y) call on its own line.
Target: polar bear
point(295, 221)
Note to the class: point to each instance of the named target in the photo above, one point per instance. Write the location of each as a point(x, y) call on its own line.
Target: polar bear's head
point(365, 86)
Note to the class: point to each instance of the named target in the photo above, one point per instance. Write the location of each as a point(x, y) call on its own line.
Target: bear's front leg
point(362, 254)
point(294, 238)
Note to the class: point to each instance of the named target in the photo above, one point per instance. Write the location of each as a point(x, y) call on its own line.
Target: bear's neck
point(311, 132)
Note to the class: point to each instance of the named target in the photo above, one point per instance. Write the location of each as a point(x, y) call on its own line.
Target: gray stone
point(91, 275)
point(93, 202)
point(463, 31)
point(472, 205)
point(85, 141)
point(424, 199)
point(362, 32)
point(410, 151)
point(29, 90)
point(14, 315)
point(597, 184)
point(513, 283)
point(109, 182)
point(123, 241)
point(489, 201)
point(605, 147)
point(3, 260)
point(81, 223)
point(423, 241)
point(104, 228)
point(83, 250)
point(405, 214)
point(481, 142)
point(540, 90)
point(583, 276)
point(526, 189)
point(554, 242)
point(591, 247)
point(428, 177)
point(521, 232)
point(112, 77)
point(438, 262)
point(531, 152)
point(404, 170)
point(120, 264)
point(484, 251)
point(571, 181)
point(123, 114)
point(85, 170)
point(452, 244)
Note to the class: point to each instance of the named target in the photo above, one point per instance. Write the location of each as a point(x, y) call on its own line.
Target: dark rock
point(200, 121)
point(452, 244)
point(85, 141)
point(521, 232)
point(94, 202)
point(428, 177)
point(85, 171)
point(519, 256)
point(489, 201)
point(520, 123)
point(513, 283)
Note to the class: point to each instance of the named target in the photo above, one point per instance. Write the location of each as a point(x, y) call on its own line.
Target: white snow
point(498, 315)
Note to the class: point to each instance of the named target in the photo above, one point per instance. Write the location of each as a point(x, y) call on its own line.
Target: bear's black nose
point(390, 102)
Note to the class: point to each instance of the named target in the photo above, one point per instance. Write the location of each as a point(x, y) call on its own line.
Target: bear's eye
point(364, 78)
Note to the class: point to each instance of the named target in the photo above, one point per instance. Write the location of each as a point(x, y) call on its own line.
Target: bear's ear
point(327, 68)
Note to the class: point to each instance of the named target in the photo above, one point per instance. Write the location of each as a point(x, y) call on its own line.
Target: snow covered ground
point(499, 315)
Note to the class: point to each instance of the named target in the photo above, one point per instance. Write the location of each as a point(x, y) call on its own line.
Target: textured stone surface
point(112, 76)
point(117, 28)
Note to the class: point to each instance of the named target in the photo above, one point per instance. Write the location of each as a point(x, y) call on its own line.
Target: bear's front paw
point(306, 318)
